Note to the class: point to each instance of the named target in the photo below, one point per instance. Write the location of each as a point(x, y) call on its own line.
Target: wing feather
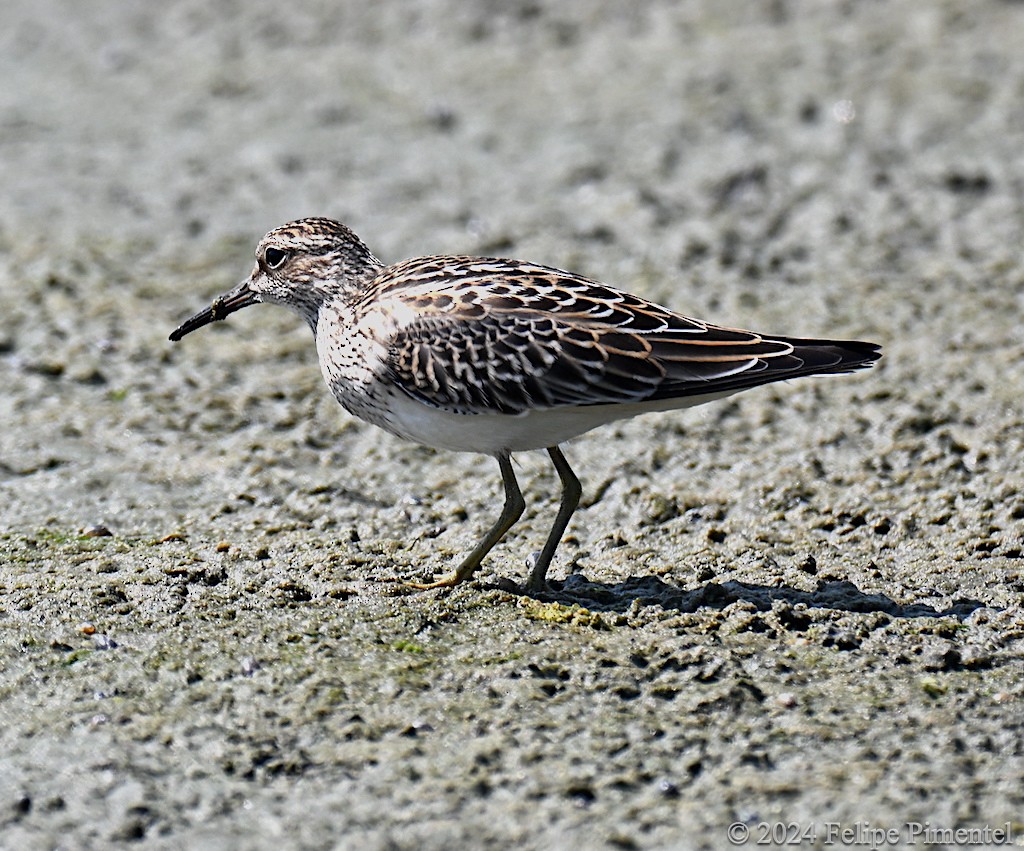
point(493, 336)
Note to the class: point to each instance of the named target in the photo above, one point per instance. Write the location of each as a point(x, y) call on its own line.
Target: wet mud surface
point(801, 605)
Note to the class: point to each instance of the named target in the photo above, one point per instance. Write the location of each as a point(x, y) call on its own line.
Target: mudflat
point(798, 610)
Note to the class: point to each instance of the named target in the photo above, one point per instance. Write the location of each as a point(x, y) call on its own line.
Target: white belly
point(495, 433)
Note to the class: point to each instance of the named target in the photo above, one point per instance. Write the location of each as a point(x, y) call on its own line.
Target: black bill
point(241, 296)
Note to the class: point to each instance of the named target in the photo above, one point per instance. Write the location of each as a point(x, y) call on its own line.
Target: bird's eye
point(275, 257)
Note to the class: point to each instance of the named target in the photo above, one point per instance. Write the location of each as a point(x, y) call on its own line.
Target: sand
point(798, 611)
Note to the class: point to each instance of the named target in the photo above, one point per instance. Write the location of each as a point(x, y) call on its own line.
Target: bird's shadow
point(840, 595)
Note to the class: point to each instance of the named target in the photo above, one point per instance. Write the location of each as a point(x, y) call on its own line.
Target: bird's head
point(300, 265)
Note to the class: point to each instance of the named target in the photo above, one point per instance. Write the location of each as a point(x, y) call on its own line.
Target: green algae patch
point(405, 646)
point(574, 614)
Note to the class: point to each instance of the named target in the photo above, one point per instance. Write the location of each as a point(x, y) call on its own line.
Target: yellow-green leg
point(571, 492)
point(510, 513)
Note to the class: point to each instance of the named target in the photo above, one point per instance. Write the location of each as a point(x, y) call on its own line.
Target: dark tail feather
point(809, 357)
point(832, 356)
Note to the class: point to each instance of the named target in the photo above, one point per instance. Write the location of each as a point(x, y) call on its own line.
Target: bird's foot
point(456, 577)
point(449, 581)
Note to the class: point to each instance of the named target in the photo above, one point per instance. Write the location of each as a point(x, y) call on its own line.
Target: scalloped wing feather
point(493, 336)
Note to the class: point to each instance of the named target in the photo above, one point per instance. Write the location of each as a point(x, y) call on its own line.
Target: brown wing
point(495, 336)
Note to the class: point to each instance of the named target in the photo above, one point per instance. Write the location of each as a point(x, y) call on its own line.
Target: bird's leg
point(510, 513)
point(571, 492)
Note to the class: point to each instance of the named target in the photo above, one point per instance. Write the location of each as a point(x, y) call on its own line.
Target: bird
point(500, 356)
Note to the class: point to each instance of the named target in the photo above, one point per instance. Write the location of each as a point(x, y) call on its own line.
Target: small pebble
point(97, 531)
point(668, 788)
point(103, 642)
point(787, 700)
point(415, 728)
point(250, 665)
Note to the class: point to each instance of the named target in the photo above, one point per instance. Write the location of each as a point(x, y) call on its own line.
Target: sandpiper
point(477, 354)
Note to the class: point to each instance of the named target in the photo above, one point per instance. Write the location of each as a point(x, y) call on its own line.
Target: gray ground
point(801, 606)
